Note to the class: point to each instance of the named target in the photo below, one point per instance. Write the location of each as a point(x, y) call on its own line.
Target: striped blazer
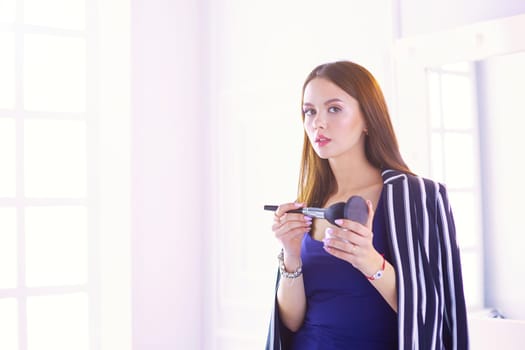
point(422, 238)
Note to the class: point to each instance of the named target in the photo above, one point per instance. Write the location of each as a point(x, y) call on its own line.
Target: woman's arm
point(291, 296)
point(289, 229)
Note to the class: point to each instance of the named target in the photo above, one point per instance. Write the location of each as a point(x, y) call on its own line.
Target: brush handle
point(274, 208)
point(318, 213)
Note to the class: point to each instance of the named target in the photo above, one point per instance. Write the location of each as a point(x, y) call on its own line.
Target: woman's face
point(332, 120)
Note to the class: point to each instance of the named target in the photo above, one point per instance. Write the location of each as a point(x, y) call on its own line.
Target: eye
point(334, 109)
point(309, 112)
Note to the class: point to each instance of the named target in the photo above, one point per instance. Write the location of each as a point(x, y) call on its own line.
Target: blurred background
point(139, 141)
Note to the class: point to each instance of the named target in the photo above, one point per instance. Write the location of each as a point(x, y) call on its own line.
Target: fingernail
point(297, 205)
point(308, 218)
point(339, 221)
point(328, 232)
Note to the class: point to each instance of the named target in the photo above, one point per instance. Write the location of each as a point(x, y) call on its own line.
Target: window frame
point(474, 189)
point(91, 201)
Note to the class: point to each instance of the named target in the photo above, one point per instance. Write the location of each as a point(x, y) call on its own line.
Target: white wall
point(420, 17)
point(169, 170)
point(502, 82)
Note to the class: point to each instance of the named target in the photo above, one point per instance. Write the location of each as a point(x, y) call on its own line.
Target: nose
point(319, 121)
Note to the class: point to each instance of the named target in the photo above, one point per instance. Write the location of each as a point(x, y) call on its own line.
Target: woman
point(392, 283)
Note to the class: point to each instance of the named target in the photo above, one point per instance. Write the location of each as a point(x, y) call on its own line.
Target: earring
point(366, 132)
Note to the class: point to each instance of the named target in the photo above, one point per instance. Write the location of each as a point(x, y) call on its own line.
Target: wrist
point(292, 262)
point(289, 267)
point(376, 272)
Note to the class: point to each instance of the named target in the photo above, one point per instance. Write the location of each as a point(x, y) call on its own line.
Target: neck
point(354, 173)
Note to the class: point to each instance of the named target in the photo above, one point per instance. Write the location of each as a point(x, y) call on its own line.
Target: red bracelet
point(379, 272)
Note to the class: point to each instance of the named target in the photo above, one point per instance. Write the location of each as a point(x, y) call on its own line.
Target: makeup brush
point(354, 209)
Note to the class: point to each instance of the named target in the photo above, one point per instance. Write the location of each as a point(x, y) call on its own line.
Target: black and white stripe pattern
point(422, 237)
point(431, 303)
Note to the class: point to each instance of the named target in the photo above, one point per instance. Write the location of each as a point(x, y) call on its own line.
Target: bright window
point(48, 277)
point(65, 14)
point(454, 149)
point(56, 245)
point(8, 244)
point(55, 158)
point(7, 69)
point(7, 157)
point(54, 71)
point(58, 322)
point(8, 324)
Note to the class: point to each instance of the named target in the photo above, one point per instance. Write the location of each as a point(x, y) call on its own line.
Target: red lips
point(322, 140)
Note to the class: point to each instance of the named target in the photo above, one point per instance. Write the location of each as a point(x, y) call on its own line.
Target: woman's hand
point(352, 242)
point(289, 229)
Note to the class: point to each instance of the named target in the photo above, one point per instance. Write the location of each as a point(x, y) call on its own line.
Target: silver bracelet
point(298, 272)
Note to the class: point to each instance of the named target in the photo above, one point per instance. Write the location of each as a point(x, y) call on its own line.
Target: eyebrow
point(327, 102)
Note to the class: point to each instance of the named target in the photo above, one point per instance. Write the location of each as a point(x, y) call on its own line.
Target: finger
point(344, 246)
point(298, 223)
point(292, 228)
point(350, 240)
point(347, 227)
point(342, 234)
point(293, 224)
point(283, 208)
point(293, 217)
point(370, 214)
point(290, 236)
point(339, 253)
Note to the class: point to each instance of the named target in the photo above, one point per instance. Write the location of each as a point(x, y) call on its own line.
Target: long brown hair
point(316, 180)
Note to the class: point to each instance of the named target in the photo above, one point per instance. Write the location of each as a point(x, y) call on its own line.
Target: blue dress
point(344, 310)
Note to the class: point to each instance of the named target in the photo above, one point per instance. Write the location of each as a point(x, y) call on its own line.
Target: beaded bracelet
point(298, 272)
